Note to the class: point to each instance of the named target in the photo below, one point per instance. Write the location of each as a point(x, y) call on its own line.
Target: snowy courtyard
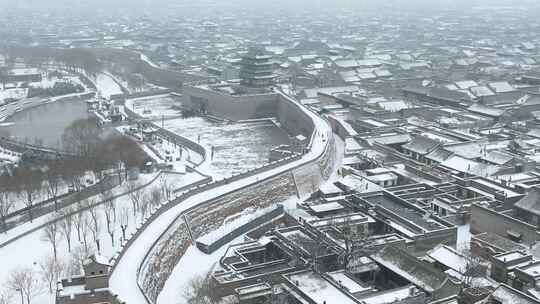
point(107, 86)
point(236, 147)
point(156, 107)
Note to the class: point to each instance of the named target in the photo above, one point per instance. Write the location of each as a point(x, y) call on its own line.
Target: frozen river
point(237, 147)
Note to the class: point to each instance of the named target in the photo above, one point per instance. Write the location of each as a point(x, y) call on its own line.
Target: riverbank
point(10, 109)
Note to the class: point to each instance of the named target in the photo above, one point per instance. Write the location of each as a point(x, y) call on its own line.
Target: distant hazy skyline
point(151, 7)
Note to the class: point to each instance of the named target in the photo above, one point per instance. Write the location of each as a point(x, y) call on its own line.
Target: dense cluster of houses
point(437, 201)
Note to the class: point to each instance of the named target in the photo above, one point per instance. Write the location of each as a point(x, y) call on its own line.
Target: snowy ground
point(15, 91)
point(156, 107)
point(107, 86)
point(41, 196)
point(193, 264)
point(163, 151)
point(237, 147)
point(47, 82)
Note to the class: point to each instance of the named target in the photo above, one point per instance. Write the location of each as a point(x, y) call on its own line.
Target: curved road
point(123, 281)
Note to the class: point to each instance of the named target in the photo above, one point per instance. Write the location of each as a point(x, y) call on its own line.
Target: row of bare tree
point(76, 60)
point(92, 151)
point(81, 230)
point(84, 220)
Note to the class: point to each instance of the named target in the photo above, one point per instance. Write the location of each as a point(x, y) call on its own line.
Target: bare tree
point(110, 218)
point(51, 234)
point(66, 226)
point(6, 201)
point(77, 258)
point(354, 238)
point(125, 152)
point(85, 229)
point(166, 189)
point(73, 172)
point(155, 198)
point(25, 280)
point(51, 271)
point(475, 267)
point(30, 186)
point(95, 226)
point(136, 194)
point(6, 296)
point(201, 290)
point(110, 201)
point(78, 217)
point(124, 221)
point(53, 178)
point(144, 206)
point(82, 137)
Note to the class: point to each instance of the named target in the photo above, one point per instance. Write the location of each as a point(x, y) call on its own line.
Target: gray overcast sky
point(142, 6)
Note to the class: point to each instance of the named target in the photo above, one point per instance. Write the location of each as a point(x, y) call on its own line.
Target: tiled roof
point(530, 202)
point(421, 145)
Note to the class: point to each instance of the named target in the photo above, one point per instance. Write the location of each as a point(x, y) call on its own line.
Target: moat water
point(45, 124)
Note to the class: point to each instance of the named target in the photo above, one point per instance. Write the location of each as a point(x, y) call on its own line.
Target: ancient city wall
point(245, 107)
point(132, 62)
point(230, 107)
point(207, 216)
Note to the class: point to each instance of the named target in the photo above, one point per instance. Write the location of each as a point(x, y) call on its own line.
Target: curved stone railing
point(169, 239)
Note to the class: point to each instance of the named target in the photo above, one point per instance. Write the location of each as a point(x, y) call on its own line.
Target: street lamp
point(22, 297)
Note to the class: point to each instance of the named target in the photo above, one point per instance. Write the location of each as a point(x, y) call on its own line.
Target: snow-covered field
point(237, 147)
point(193, 264)
point(156, 107)
point(107, 86)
